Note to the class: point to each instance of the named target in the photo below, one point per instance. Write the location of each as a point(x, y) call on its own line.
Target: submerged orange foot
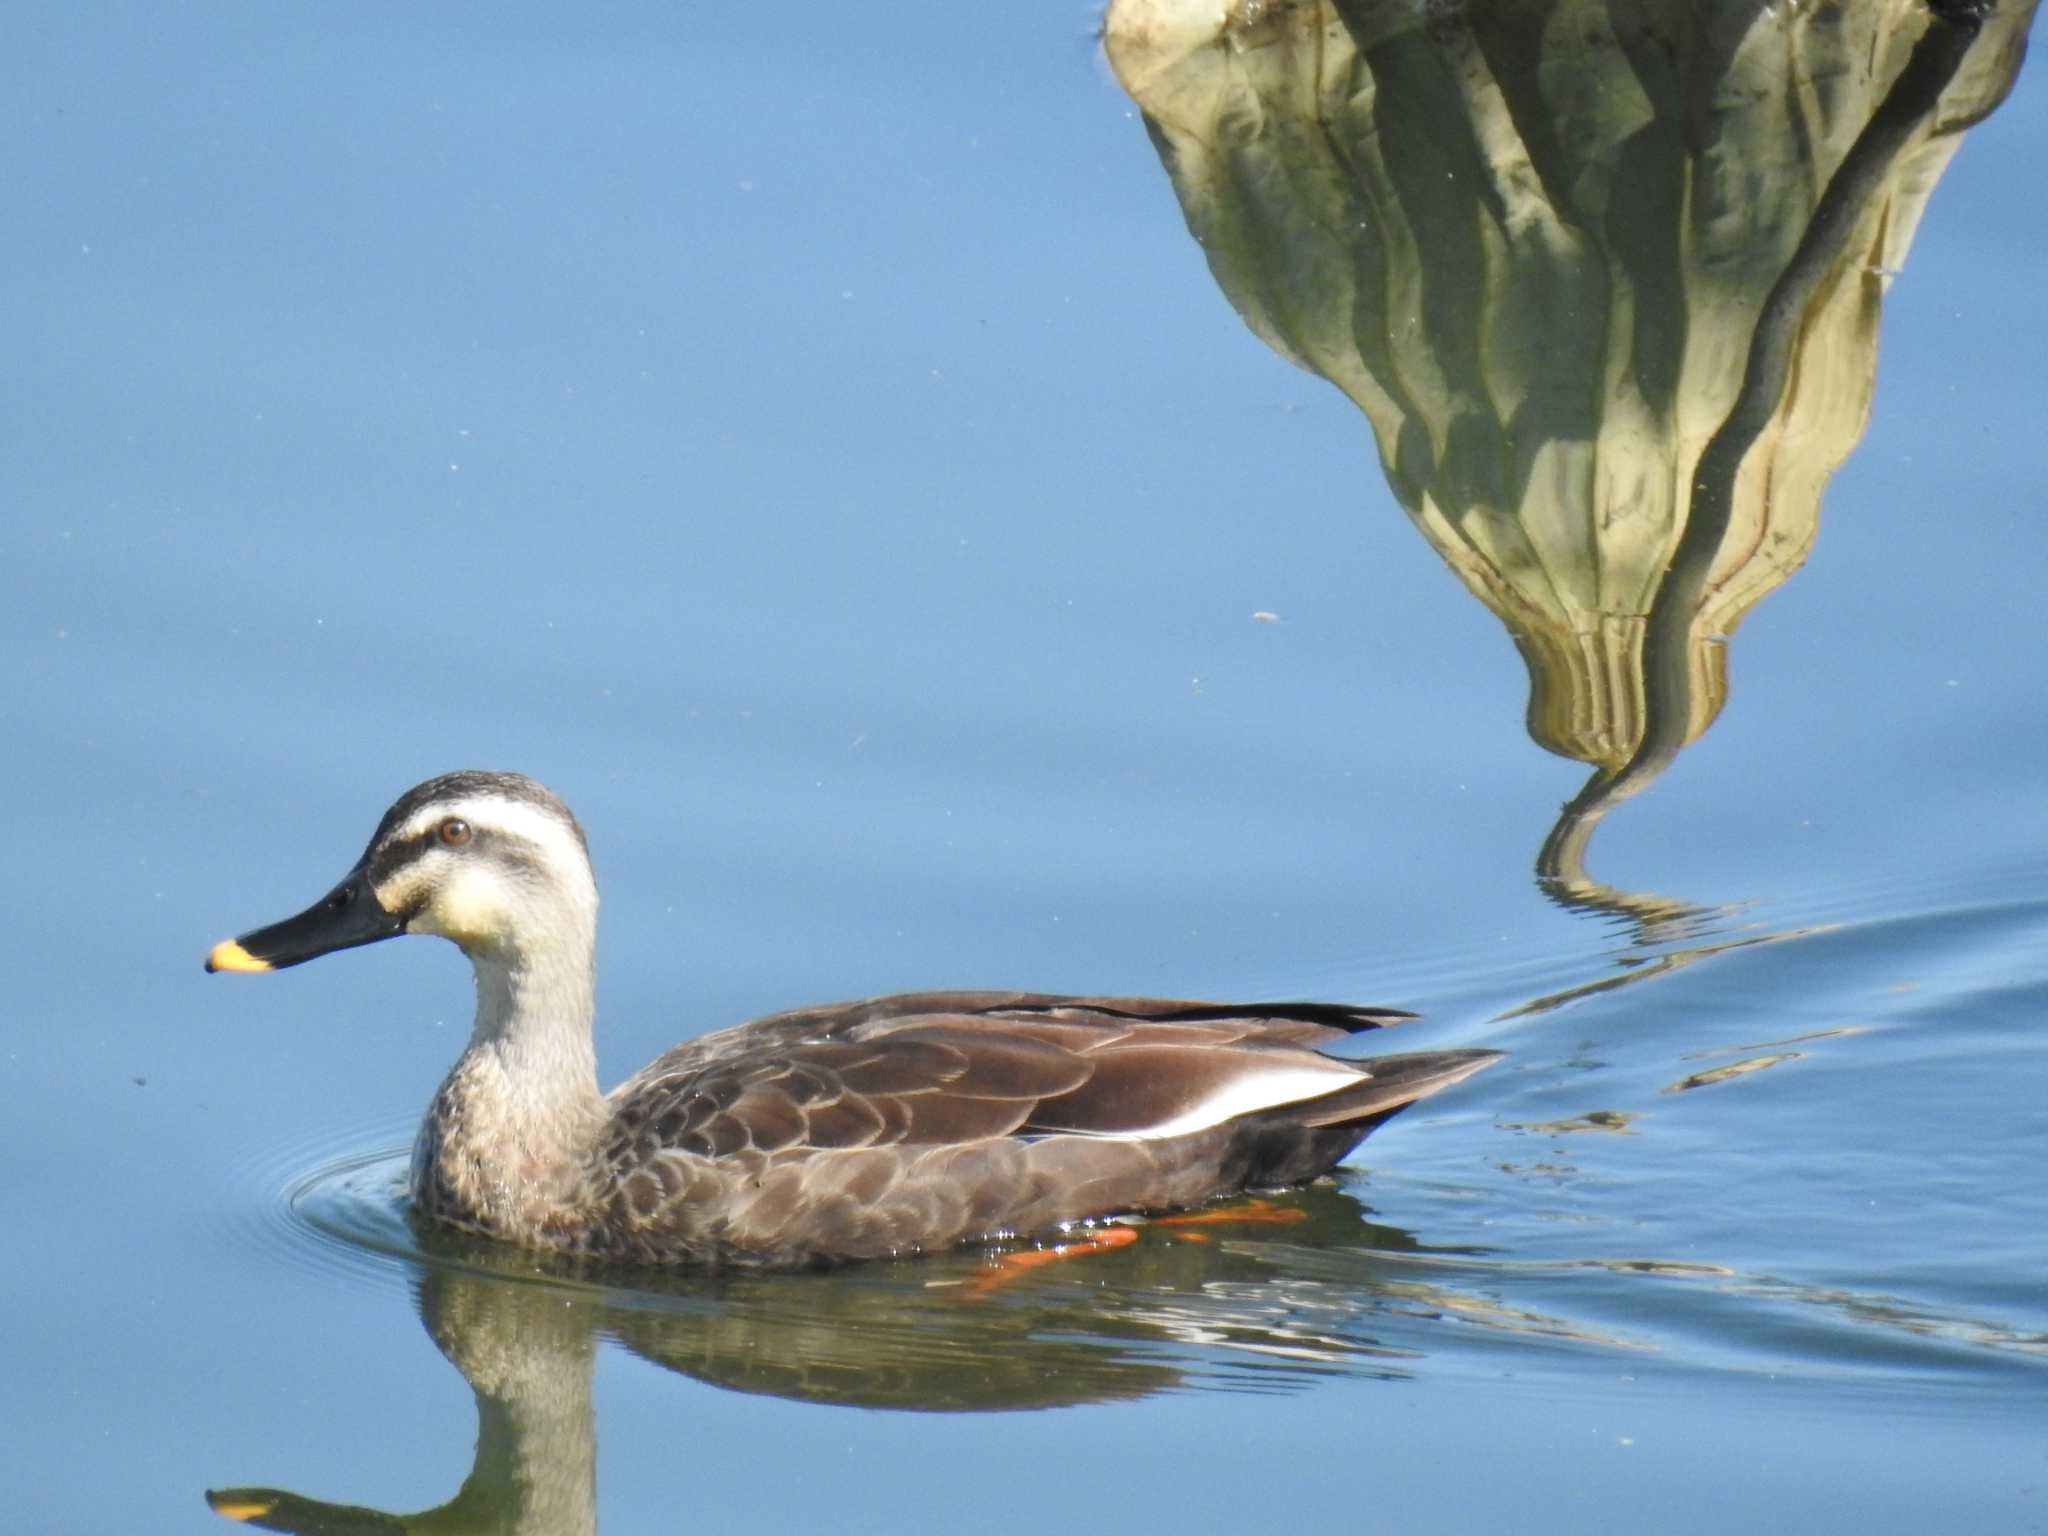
point(1002, 1271)
point(1267, 1212)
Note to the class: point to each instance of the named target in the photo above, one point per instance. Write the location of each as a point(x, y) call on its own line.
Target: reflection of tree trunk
point(1671, 637)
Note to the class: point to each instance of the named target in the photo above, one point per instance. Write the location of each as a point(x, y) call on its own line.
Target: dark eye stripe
point(392, 857)
point(504, 849)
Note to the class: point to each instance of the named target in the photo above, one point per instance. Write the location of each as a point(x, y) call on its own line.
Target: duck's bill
point(346, 916)
point(273, 1509)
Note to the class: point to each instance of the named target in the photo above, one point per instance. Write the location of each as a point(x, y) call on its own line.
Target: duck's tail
point(1295, 1142)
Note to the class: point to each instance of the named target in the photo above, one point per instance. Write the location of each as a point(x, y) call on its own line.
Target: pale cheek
point(465, 910)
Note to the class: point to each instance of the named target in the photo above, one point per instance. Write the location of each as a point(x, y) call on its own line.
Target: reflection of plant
point(1604, 279)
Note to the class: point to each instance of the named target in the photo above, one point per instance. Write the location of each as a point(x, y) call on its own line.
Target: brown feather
point(894, 1124)
point(990, 1062)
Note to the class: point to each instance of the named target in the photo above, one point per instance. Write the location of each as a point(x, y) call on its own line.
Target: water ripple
point(331, 1204)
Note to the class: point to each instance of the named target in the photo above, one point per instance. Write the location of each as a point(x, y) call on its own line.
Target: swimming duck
point(840, 1132)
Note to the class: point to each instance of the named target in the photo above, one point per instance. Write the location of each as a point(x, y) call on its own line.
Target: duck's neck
point(510, 1137)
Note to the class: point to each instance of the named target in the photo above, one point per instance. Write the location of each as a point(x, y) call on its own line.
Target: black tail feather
point(1301, 1141)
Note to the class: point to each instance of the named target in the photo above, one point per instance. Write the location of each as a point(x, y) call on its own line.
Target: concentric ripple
point(331, 1203)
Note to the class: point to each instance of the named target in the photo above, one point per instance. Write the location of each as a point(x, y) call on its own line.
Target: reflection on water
point(1188, 1307)
point(1302, 1288)
point(946, 1332)
point(1609, 1122)
point(1638, 968)
point(1605, 280)
point(1831, 1306)
point(1733, 1069)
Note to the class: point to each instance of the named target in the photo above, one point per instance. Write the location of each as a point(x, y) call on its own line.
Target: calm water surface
point(819, 451)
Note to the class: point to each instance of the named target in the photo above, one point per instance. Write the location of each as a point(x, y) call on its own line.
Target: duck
point(873, 1129)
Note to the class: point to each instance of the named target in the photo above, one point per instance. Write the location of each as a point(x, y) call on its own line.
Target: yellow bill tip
point(238, 1508)
point(228, 955)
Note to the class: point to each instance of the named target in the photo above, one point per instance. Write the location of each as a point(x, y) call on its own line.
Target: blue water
point(815, 447)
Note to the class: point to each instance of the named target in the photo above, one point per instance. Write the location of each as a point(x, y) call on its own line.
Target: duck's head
point(491, 860)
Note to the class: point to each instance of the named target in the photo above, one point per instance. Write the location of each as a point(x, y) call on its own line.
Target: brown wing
point(929, 1087)
point(928, 1079)
point(1298, 1024)
point(872, 1130)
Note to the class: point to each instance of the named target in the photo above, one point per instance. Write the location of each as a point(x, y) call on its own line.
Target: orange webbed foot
point(1254, 1212)
point(1001, 1271)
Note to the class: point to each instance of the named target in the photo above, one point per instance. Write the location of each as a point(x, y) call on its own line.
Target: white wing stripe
point(1267, 1089)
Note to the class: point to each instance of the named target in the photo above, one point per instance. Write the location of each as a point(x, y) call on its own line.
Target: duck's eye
point(454, 832)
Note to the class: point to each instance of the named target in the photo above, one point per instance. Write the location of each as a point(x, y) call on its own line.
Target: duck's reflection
point(1233, 1304)
point(1606, 282)
point(526, 1350)
point(1307, 1288)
